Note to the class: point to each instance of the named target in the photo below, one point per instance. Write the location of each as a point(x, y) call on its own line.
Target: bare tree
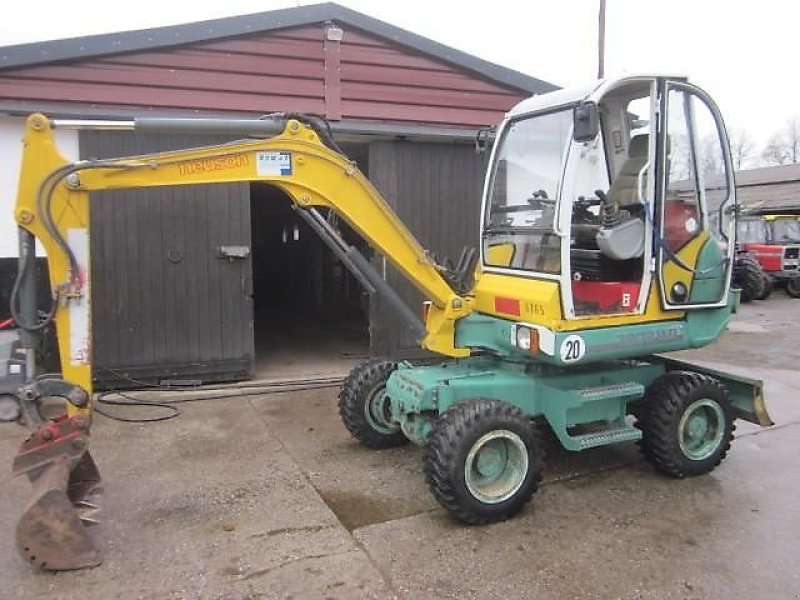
point(742, 147)
point(784, 145)
point(709, 159)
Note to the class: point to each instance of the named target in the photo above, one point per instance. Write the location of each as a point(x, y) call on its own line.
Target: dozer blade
point(52, 532)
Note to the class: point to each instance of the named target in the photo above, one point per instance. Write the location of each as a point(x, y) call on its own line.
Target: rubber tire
point(793, 287)
point(355, 394)
point(453, 435)
point(747, 276)
point(766, 288)
point(667, 399)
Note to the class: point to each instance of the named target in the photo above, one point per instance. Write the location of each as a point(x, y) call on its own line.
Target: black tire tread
point(748, 277)
point(666, 401)
point(766, 288)
point(793, 287)
point(445, 442)
point(351, 403)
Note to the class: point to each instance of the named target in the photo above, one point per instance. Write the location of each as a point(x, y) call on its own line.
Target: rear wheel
point(484, 461)
point(687, 427)
point(793, 287)
point(364, 406)
point(748, 277)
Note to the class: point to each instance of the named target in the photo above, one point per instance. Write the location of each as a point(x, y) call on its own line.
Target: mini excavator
point(607, 238)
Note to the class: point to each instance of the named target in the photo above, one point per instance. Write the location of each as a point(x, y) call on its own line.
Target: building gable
point(301, 68)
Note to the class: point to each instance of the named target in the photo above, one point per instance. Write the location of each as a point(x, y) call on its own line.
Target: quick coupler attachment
point(52, 532)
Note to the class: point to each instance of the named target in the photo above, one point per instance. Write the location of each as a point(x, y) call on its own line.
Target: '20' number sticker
point(573, 349)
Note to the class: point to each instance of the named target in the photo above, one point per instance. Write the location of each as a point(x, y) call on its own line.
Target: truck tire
point(766, 288)
point(748, 277)
point(793, 287)
point(363, 405)
point(484, 460)
point(687, 427)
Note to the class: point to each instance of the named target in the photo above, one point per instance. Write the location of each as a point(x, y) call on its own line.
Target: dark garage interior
point(310, 314)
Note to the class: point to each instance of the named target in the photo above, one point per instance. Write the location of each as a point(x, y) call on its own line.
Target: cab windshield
point(786, 230)
point(519, 231)
point(752, 231)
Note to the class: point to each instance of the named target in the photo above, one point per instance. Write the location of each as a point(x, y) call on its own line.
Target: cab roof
point(593, 91)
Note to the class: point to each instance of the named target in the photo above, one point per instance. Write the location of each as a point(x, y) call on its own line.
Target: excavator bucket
point(52, 532)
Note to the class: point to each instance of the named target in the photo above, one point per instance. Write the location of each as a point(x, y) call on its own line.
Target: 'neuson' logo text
point(219, 163)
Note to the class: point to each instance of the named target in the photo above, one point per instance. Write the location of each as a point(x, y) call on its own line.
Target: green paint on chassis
point(600, 390)
point(564, 396)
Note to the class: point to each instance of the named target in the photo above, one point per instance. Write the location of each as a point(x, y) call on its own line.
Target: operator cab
point(611, 191)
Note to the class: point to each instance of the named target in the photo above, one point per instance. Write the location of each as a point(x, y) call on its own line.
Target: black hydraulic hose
point(174, 411)
point(14, 300)
point(44, 201)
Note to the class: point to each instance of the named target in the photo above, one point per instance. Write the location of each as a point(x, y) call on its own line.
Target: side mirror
point(585, 122)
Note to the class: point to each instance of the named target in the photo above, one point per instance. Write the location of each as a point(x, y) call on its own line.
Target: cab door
point(695, 200)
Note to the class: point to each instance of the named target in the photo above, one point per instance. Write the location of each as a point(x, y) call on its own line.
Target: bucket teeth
point(86, 512)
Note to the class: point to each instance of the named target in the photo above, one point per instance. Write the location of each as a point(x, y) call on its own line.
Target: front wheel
point(484, 461)
point(793, 287)
point(687, 425)
point(364, 406)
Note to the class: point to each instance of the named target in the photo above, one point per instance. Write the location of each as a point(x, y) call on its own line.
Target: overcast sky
point(743, 53)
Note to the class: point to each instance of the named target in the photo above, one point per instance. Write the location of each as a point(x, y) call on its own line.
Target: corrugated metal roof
point(25, 55)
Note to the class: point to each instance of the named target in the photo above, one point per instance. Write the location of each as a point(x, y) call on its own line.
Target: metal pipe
point(210, 126)
point(28, 313)
point(388, 294)
point(335, 243)
point(362, 270)
point(92, 124)
point(248, 126)
point(176, 125)
point(327, 227)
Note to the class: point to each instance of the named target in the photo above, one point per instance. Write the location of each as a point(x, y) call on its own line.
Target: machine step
point(608, 436)
point(629, 391)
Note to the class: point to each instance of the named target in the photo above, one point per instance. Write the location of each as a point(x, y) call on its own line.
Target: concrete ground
point(268, 497)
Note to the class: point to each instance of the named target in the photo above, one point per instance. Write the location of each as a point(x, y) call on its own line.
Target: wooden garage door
point(165, 303)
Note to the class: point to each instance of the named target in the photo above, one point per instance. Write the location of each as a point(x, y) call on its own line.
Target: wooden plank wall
point(436, 191)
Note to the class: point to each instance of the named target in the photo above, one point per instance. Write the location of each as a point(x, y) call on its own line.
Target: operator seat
point(624, 190)
point(620, 239)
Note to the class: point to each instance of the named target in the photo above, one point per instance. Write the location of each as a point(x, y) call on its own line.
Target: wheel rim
point(378, 411)
point(701, 429)
point(496, 466)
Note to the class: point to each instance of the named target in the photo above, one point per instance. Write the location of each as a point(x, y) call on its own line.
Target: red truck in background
point(773, 239)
